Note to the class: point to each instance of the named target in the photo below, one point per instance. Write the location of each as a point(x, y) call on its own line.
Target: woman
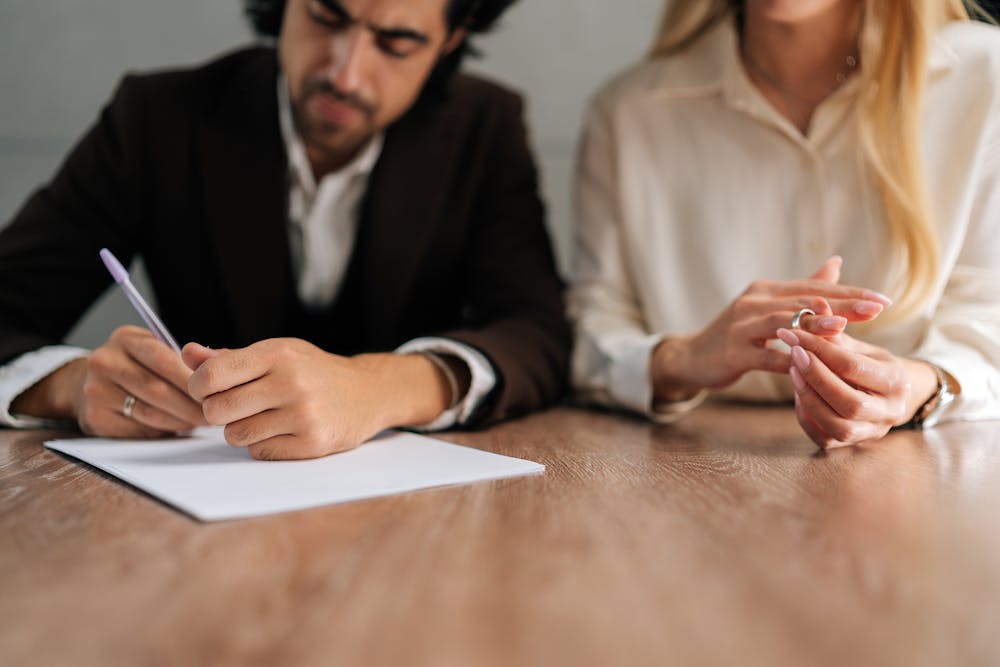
point(721, 181)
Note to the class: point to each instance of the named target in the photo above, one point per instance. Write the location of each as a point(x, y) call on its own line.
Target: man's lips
point(335, 112)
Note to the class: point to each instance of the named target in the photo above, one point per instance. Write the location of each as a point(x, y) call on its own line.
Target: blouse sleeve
point(613, 342)
point(964, 334)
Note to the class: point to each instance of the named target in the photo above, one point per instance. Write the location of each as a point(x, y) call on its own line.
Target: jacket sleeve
point(513, 289)
point(50, 272)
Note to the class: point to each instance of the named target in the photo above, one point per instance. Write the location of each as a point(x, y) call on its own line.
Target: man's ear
point(454, 40)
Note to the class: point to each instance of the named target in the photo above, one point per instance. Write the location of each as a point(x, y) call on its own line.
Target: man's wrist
point(410, 387)
point(54, 396)
point(456, 373)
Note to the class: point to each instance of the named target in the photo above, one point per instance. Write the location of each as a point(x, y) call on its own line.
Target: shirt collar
point(941, 56)
point(298, 160)
point(712, 65)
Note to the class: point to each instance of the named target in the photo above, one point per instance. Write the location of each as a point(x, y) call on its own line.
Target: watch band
point(934, 407)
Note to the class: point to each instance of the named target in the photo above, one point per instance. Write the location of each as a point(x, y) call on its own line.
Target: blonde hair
point(895, 40)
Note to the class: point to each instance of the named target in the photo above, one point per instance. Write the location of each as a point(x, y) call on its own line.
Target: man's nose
point(349, 53)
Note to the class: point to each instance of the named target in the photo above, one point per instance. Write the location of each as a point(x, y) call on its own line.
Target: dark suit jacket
point(188, 169)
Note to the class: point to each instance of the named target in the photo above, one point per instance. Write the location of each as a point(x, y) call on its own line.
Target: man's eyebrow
point(382, 31)
point(337, 9)
point(400, 33)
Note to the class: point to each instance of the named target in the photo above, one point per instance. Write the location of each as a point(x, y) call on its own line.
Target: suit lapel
point(245, 174)
point(403, 204)
point(245, 171)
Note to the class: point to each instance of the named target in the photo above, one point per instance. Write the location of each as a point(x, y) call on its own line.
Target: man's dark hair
point(475, 16)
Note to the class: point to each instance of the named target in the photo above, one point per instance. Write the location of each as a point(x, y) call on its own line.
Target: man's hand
point(284, 398)
point(93, 390)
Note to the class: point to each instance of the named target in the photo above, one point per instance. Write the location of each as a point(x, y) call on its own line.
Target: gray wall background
point(59, 62)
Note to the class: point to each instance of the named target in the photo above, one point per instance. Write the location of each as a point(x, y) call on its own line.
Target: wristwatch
point(934, 408)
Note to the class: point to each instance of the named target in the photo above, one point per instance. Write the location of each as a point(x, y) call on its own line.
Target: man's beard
point(322, 135)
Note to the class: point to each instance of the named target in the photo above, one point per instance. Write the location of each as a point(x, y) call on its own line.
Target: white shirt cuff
point(969, 354)
point(633, 386)
point(667, 413)
point(482, 383)
point(616, 372)
point(24, 372)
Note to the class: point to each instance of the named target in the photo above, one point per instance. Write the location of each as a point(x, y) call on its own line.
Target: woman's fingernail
point(878, 296)
point(868, 308)
point(787, 337)
point(835, 323)
point(797, 379)
point(800, 358)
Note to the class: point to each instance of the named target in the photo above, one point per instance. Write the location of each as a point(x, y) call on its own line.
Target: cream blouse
point(690, 186)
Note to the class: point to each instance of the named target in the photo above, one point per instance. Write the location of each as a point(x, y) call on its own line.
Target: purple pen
point(121, 277)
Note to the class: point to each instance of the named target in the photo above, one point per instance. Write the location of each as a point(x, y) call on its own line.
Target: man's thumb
point(194, 355)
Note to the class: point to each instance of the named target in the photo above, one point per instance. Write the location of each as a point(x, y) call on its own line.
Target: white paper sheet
point(208, 479)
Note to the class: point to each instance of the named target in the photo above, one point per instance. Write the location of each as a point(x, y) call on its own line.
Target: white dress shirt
point(323, 221)
point(690, 186)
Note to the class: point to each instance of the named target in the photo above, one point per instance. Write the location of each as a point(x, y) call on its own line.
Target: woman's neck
point(797, 65)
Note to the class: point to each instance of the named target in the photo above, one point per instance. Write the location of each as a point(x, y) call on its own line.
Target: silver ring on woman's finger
point(128, 405)
point(797, 318)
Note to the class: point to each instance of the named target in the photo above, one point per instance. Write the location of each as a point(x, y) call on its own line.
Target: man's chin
point(338, 144)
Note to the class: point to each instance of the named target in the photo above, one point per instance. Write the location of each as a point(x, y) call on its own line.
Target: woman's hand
point(737, 340)
point(847, 391)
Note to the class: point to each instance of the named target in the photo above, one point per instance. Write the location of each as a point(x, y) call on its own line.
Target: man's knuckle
point(158, 392)
point(309, 427)
point(286, 351)
point(99, 361)
point(91, 388)
point(210, 377)
point(214, 411)
point(159, 355)
point(86, 421)
point(298, 385)
point(240, 435)
point(218, 406)
point(263, 453)
point(85, 426)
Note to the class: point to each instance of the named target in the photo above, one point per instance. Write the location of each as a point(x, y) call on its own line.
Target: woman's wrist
point(670, 371)
point(923, 384)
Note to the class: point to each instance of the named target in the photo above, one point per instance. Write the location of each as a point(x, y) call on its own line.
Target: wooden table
point(726, 539)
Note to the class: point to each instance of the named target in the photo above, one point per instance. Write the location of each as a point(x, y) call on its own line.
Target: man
point(350, 230)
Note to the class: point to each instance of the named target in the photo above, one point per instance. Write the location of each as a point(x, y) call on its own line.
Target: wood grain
point(725, 539)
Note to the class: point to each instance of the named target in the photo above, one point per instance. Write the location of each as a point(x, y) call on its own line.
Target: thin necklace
point(794, 99)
